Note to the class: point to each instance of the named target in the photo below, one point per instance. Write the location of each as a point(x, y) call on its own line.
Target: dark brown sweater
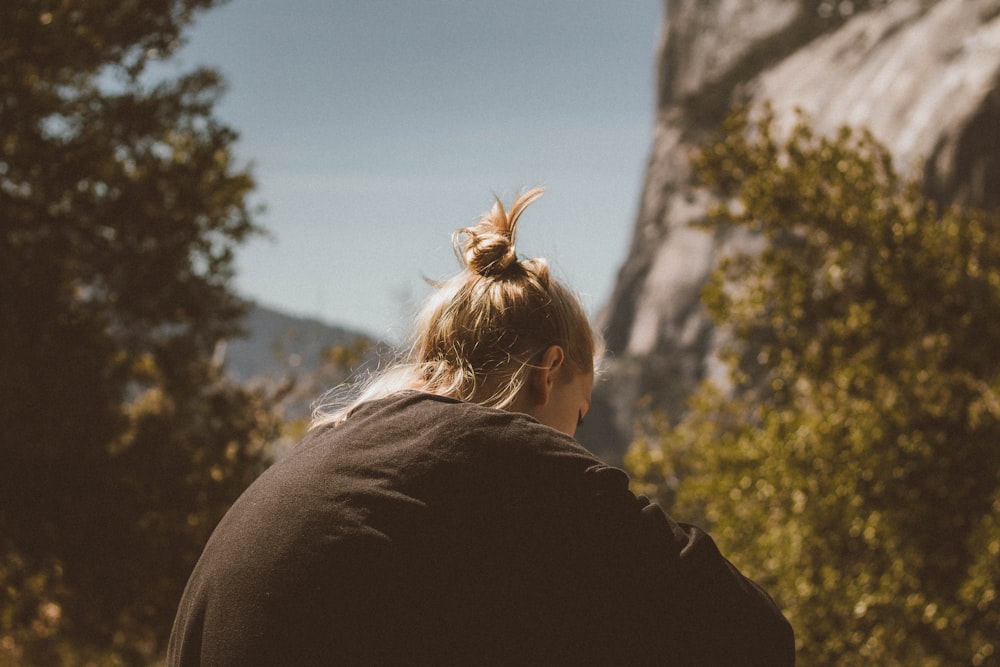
point(424, 531)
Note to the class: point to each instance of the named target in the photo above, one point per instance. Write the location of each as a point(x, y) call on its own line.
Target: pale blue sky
point(377, 127)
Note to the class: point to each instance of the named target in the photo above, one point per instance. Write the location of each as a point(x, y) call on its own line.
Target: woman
point(446, 516)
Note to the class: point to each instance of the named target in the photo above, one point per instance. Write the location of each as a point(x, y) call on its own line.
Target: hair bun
point(489, 254)
point(487, 248)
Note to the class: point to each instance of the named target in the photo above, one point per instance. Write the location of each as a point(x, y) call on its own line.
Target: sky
point(376, 128)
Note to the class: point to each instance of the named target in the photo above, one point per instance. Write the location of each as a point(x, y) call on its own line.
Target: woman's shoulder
point(413, 418)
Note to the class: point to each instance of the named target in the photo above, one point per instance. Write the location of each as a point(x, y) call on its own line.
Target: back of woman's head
point(479, 332)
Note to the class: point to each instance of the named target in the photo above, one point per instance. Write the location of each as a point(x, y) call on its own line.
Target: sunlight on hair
point(479, 332)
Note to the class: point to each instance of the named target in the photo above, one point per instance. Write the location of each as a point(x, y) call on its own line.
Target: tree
point(852, 464)
point(120, 210)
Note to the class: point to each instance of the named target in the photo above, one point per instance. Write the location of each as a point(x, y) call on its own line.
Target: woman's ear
point(543, 376)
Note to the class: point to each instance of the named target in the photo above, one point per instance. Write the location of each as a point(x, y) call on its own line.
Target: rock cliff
point(923, 75)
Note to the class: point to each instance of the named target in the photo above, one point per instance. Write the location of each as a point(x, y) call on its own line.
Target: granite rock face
point(922, 75)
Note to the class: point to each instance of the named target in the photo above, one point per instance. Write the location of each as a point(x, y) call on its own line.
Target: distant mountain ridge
point(302, 356)
point(278, 345)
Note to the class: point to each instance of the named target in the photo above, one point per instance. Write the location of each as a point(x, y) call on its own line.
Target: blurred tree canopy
point(120, 209)
point(852, 464)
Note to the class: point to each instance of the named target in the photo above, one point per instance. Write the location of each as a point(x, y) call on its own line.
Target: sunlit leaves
point(852, 464)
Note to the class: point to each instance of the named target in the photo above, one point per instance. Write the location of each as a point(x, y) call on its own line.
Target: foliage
point(853, 464)
point(120, 209)
point(340, 366)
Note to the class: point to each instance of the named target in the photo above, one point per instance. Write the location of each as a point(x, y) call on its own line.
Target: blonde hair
point(478, 334)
